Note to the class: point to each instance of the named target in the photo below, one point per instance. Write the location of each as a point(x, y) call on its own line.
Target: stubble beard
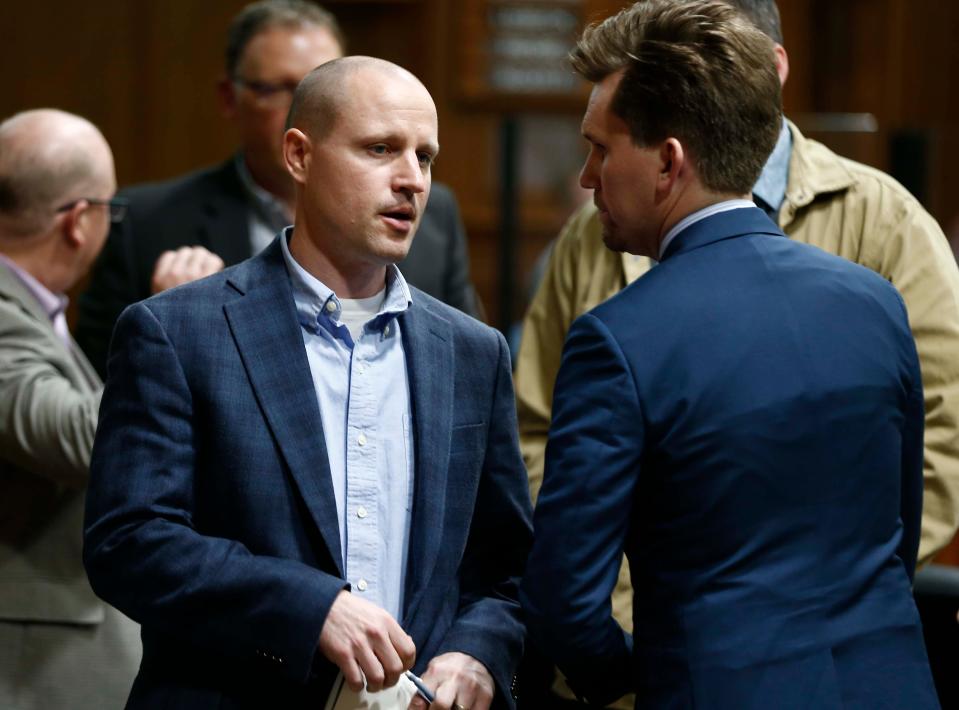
point(389, 247)
point(613, 242)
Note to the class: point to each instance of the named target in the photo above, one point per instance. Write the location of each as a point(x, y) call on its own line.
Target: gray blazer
point(48, 412)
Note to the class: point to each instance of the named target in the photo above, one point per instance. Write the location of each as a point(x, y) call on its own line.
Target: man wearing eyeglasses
point(60, 647)
point(190, 227)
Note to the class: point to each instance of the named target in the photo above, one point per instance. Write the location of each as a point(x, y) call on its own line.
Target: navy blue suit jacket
point(745, 422)
point(211, 518)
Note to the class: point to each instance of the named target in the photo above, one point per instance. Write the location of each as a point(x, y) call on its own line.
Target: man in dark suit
point(745, 420)
point(303, 465)
point(233, 210)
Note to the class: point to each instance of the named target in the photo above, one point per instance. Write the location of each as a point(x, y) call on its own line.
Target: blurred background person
point(60, 646)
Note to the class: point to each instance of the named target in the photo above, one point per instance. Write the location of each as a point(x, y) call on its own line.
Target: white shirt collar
point(698, 215)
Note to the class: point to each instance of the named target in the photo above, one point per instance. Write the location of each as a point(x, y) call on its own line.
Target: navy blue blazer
point(211, 518)
point(745, 422)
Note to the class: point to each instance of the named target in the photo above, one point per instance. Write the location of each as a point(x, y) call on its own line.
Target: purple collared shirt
point(54, 305)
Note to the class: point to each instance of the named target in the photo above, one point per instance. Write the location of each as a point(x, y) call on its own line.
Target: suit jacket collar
point(267, 334)
point(14, 290)
point(725, 225)
point(428, 344)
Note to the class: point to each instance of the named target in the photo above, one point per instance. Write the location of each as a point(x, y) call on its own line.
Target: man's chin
point(612, 241)
point(394, 251)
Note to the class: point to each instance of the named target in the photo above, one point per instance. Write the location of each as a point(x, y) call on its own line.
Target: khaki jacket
point(61, 646)
point(836, 204)
point(48, 415)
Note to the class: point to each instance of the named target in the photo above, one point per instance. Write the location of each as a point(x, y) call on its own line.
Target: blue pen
point(420, 687)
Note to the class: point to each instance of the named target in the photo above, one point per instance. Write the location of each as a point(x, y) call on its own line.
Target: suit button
point(361, 585)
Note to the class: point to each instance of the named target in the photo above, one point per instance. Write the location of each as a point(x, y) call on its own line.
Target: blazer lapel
point(428, 344)
point(12, 288)
point(267, 334)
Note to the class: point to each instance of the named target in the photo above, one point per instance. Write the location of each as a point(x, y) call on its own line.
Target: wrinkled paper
point(396, 698)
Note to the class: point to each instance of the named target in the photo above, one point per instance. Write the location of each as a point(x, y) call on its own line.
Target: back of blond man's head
point(697, 70)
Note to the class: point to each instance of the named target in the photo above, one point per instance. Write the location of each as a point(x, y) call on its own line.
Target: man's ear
point(73, 224)
point(782, 64)
point(672, 159)
point(296, 154)
point(226, 96)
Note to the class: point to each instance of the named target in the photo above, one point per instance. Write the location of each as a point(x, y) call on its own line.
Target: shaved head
point(47, 158)
point(361, 144)
point(323, 94)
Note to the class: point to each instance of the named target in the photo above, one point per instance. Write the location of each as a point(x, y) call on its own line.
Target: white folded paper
point(396, 698)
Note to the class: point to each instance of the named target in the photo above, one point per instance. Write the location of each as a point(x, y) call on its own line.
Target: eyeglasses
point(118, 206)
point(266, 94)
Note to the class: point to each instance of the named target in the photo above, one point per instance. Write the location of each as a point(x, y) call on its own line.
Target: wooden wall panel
point(145, 71)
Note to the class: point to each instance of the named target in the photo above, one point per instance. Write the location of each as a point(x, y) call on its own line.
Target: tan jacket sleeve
point(47, 423)
point(544, 329)
point(915, 257)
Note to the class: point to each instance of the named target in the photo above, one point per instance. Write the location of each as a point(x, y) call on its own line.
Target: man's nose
point(411, 176)
point(588, 176)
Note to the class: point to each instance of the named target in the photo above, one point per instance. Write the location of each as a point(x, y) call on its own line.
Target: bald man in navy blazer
point(305, 466)
point(744, 421)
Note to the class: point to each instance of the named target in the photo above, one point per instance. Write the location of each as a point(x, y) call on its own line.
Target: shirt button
point(360, 368)
point(386, 330)
point(361, 585)
point(361, 512)
point(361, 440)
point(330, 305)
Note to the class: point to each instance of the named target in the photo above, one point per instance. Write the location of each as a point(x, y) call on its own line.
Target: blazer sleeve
point(583, 513)
point(912, 460)
point(913, 254)
point(488, 625)
point(141, 550)
point(46, 422)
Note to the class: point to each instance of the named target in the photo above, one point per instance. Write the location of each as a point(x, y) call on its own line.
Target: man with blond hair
point(696, 413)
point(817, 197)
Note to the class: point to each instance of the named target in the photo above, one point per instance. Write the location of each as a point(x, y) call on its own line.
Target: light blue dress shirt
point(363, 393)
point(693, 217)
point(771, 185)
